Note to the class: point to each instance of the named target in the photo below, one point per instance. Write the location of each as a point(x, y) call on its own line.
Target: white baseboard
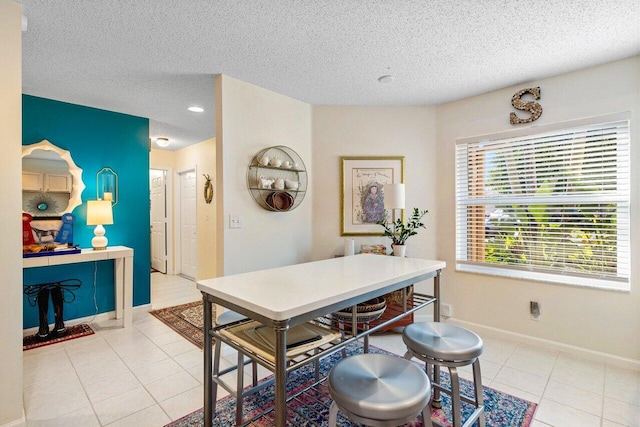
point(585, 353)
point(102, 320)
point(20, 422)
point(142, 308)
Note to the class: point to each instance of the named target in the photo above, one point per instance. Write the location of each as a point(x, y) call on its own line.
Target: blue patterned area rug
point(502, 409)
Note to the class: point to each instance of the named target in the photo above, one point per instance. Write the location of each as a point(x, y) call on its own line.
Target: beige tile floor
point(148, 376)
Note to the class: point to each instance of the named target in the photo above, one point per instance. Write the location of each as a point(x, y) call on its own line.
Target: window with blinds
point(550, 206)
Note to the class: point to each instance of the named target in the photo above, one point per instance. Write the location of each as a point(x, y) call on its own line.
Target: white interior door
point(188, 243)
point(158, 220)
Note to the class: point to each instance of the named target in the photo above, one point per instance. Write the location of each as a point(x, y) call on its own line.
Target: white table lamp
point(99, 213)
point(394, 196)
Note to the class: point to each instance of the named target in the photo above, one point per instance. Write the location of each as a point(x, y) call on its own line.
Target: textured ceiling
point(154, 58)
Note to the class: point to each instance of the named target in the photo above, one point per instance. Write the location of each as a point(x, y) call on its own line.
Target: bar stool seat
point(379, 390)
point(442, 344)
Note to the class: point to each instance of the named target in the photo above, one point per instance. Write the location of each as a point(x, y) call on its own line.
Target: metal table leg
point(280, 330)
point(436, 401)
point(208, 381)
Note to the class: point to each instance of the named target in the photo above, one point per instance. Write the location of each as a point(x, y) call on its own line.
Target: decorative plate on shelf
point(280, 200)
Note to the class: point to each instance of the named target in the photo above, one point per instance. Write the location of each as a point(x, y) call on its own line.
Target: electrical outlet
point(446, 310)
point(534, 309)
point(234, 221)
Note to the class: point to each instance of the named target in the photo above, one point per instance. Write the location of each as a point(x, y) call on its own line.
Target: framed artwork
point(363, 181)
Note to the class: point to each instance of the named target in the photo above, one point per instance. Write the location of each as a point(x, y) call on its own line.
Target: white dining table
point(284, 297)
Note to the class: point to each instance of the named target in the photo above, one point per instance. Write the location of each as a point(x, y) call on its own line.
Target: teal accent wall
point(96, 139)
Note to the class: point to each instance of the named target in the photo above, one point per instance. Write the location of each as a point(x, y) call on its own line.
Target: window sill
point(582, 282)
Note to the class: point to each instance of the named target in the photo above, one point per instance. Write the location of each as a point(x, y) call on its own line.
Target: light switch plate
point(234, 221)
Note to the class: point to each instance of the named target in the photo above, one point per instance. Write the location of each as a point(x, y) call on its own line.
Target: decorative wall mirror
point(51, 181)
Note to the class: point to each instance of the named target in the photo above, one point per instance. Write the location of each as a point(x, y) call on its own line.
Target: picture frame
point(360, 201)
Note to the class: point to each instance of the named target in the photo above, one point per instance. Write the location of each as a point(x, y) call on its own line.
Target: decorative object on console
point(107, 185)
point(349, 247)
point(49, 240)
point(533, 107)
point(363, 198)
point(99, 213)
point(65, 235)
point(373, 249)
point(399, 231)
point(208, 189)
point(27, 232)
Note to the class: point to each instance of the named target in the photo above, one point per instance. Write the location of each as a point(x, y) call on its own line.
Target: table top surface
point(86, 254)
point(286, 292)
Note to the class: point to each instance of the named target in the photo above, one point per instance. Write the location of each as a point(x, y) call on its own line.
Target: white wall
point(248, 119)
point(373, 131)
point(11, 407)
point(202, 156)
point(602, 321)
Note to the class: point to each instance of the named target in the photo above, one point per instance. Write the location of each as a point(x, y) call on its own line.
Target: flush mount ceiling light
point(386, 79)
point(195, 109)
point(162, 142)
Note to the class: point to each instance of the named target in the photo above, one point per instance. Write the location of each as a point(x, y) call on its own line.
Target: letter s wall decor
point(533, 107)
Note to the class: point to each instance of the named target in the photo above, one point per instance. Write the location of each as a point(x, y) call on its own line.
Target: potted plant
point(399, 231)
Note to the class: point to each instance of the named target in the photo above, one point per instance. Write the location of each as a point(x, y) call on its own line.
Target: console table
point(122, 257)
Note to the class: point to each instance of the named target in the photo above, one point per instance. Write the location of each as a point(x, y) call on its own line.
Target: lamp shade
point(394, 196)
point(99, 212)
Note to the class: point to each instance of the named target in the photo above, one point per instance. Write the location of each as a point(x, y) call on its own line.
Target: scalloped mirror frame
point(75, 198)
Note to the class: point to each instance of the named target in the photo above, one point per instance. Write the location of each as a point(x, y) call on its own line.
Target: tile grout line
point(137, 379)
point(75, 370)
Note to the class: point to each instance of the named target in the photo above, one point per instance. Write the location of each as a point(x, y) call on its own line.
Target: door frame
point(168, 200)
point(178, 230)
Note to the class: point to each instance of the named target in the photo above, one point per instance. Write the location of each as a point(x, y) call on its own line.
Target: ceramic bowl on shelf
point(275, 162)
point(280, 200)
point(291, 185)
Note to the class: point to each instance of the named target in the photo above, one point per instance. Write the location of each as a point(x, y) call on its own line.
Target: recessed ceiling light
point(195, 109)
point(162, 142)
point(386, 79)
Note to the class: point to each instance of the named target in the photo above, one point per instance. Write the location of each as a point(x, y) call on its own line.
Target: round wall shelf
point(277, 179)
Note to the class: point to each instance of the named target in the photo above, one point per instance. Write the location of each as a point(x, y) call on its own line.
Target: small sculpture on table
point(27, 232)
point(65, 235)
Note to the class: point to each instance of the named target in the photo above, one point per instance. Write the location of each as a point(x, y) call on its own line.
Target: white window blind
point(551, 206)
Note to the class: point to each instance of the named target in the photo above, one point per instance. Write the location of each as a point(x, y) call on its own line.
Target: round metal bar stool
point(443, 344)
point(227, 318)
point(379, 390)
